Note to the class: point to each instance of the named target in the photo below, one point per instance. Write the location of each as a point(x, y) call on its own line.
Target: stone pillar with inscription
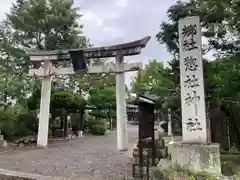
point(193, 152)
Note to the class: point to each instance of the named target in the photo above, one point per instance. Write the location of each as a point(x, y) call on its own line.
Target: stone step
point(160, 153)
point(159, 144)
point(146, 162)
point(3, 143)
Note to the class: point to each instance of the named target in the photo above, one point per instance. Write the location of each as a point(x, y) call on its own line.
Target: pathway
point(90, 157)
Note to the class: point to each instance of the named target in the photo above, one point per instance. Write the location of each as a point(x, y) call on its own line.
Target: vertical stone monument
point(194, 153)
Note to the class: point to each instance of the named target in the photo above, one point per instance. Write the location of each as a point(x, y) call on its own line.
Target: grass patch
point(235, 158)
point(181, 174)
point(232, 160)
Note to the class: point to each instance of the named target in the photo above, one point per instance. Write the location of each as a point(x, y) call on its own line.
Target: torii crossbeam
point(48, 70)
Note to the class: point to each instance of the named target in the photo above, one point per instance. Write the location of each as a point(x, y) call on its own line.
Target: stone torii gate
point(44, 67)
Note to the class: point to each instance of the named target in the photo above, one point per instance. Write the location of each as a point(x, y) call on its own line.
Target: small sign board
point(146, 136)
point(78, 61)
point(146, 117)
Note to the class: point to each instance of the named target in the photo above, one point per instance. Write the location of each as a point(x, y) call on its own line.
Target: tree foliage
point(40, 25)
point(46, 24)
point(158, 80)
point(219, 21)
point(102, 94)
point(65, 100)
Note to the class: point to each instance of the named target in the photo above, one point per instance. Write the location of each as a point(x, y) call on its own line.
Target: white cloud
point(89, 16)
point(122, 3)
point(108, 22)
point(5, 8)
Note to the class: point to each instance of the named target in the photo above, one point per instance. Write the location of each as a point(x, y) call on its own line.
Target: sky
point(109, 22)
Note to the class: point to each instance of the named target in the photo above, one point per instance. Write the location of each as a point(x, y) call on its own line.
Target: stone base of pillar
point(196, 157)
point(123, 150)
point(41, 146)
point(3, 143)
point(79, 133)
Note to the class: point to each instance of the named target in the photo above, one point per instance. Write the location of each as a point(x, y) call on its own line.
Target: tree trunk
point(109, 116)
point(81, 127)
point(65, 125)
point(62, 119)
point(64, 122)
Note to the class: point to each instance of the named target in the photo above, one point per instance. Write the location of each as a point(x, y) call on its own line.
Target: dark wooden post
point(146, 139)
point(81, 113)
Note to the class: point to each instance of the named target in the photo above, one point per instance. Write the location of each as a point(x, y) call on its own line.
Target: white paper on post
point(194, 126)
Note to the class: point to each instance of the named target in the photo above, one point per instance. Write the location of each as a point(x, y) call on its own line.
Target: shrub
point(98, 114)
point(27, 121)
point(85, 124)
point(15, 122)
point(67, 100)
point(92, 122)
point(29, 140)
point(50, 132)
point(8, 124)
point(98, 129)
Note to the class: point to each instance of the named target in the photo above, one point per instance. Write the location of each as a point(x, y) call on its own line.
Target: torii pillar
point(45, 104)
point(122, 135)
point(119, 68)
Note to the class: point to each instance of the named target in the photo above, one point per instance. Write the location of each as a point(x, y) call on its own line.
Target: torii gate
point(48, 70)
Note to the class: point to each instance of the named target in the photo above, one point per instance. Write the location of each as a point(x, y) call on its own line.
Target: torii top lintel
point(126, 49)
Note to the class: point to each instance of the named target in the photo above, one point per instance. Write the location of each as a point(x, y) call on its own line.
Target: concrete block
point(1, 137)
point(3, 143)
point(164, 152)
point(196, 157)
point(159, 144)
point(167, 139)
point(164, 164)
point(177, 138)
point(159, 153)
point(170, 144)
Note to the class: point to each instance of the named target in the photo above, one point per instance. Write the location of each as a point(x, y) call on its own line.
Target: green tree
point(219, 21)
point(12, 81)
point(224, 92)
point(103, 94)
point(44, 25)
point(63, 103)
point(100, 89)
point(154, 78)
point(220, 25)
point(159, 80)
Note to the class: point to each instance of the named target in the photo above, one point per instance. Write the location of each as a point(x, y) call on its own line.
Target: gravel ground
point(90, 157)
